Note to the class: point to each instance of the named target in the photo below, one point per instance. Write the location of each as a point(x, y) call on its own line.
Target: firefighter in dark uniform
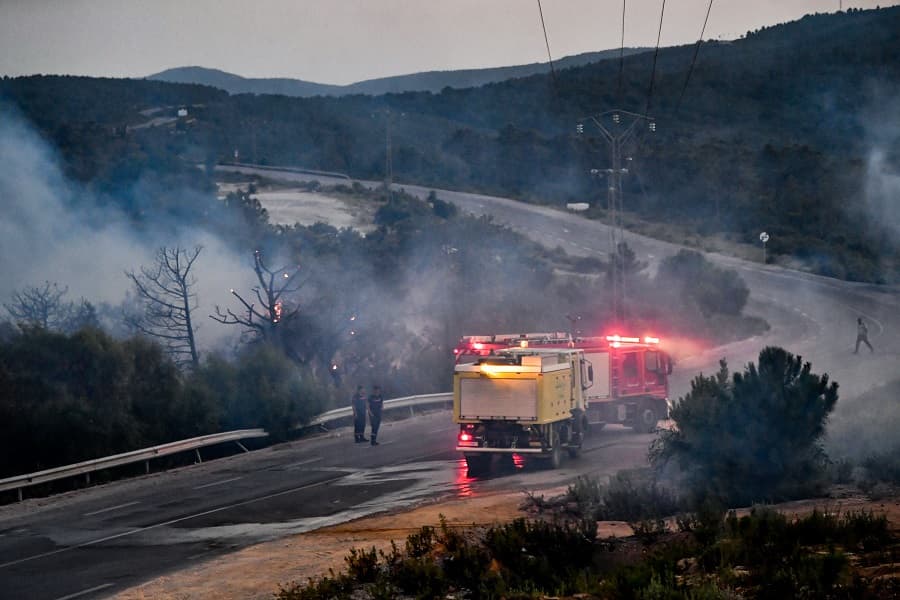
point(376, 403)
point(358, 402)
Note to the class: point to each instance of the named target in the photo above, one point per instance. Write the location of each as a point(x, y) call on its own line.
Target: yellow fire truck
point(522, 401)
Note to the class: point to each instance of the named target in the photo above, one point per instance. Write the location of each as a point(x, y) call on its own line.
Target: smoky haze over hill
point(429, 81)
point(789, 130)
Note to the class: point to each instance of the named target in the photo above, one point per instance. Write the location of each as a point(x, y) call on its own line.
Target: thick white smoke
point(51, 229)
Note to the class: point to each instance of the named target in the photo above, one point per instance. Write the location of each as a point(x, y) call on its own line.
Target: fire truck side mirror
point(587, 371)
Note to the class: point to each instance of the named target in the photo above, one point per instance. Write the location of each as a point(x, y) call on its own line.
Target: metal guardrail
point(410, 402)
point(299, 170)
point(19, 482)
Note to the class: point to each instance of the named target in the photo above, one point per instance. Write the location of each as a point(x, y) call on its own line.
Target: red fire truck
point(630, 374)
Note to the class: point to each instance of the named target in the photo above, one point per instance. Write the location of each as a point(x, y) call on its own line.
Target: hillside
point(429, 81)
point(791, 130)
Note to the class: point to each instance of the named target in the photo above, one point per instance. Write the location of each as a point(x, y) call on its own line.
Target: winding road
point(95, 542)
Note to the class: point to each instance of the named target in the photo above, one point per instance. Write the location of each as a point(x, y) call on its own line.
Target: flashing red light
point(478, 346)
point(465, 437)
point(619, 338)
point(651, 340)
point(456, 351)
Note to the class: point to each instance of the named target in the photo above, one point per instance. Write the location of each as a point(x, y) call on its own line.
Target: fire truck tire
point(477, 464)
point(574, 451)
point(647, 420)
point(555, 457)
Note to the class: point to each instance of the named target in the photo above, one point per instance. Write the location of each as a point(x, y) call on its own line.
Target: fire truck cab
point(631, 374)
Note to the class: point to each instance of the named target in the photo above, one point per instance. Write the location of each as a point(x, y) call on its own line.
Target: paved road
point(99, 541)
point(93, 543)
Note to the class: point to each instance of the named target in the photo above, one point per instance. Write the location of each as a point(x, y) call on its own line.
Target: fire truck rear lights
point(465, 436)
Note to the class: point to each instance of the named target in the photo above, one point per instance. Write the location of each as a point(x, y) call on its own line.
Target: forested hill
point(428, 81)
point(792, 130)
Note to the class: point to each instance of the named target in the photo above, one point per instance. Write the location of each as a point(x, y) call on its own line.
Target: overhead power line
point(694, 59)
point(621, 54)
point(662, 13)
point(547, 43)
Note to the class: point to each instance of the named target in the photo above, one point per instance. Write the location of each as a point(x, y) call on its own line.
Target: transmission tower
point(617, 127)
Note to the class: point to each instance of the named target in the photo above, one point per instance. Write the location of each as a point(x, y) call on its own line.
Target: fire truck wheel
point(647, 420)
point(477, 464)
point(574, 451)
point(555, 457)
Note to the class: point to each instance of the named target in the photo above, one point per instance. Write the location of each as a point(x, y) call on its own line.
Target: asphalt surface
point(95, 542)
point(99, 541)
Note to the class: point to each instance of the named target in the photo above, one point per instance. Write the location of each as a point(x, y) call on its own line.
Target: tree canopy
point(753, 436)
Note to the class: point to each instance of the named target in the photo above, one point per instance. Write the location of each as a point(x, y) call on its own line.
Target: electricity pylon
point(617, 128)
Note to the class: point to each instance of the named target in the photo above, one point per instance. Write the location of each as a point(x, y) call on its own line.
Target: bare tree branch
point(168, 301)
point(265, 318)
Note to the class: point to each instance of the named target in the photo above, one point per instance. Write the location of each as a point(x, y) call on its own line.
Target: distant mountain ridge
point(427, 81)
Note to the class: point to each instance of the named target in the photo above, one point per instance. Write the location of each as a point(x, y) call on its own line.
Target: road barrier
point(298, 170)
point(20, 482)
point(410, 402)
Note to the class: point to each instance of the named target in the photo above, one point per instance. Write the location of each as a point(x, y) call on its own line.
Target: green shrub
point(635, 496)
point(753, 436)
point(329, 587)
point(536, 555)
point(362, 565)
point(421, 576)
point(420, 543)
point(883, 467)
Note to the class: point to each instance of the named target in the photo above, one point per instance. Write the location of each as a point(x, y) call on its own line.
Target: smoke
point(52, 229)
point(882, 186)
point(881, 176)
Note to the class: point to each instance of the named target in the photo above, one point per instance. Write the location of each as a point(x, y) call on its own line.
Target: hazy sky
point(342, 41)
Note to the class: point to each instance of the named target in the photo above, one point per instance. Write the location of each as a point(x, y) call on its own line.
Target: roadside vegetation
point(66, 398)
point(687, 542)
point(760, 554)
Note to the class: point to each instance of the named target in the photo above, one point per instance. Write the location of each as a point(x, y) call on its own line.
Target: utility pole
point(388, 152)
point(617, 128)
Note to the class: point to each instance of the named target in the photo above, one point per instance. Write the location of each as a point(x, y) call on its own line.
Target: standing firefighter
point(862, 335)
point(358, 402)
point(376, 403)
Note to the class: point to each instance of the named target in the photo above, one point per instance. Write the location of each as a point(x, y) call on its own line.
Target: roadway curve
point(98, 541)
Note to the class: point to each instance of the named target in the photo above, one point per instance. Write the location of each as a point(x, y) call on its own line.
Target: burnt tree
point(165, 291)
point(265, 318)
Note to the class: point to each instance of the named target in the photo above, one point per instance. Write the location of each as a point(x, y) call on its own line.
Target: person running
point(862, 335)
point(376, 403)
point(358, 403)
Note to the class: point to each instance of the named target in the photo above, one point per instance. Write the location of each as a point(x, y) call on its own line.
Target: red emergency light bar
point(618, 339)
